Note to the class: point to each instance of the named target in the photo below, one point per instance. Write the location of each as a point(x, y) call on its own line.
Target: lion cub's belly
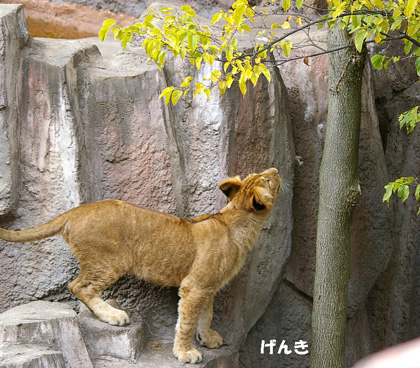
point(165, 263)
point(161, 272)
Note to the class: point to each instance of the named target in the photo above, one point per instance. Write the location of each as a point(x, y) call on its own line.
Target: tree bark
point(338, 193)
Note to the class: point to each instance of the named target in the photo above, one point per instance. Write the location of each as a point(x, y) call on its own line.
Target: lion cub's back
point(156, 247)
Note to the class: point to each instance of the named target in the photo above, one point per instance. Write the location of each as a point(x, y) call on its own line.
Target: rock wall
point(136, 8)
point(88, 125)
point(384, 282)
point(81, 121)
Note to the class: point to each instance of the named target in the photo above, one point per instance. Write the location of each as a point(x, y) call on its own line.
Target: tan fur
point(112, 238)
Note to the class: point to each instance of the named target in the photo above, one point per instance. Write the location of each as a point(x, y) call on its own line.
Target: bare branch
point(284, 61)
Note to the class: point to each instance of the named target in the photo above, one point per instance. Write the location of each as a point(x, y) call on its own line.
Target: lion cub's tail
point(51, 228)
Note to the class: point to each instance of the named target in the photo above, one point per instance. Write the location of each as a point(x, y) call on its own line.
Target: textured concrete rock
point(13, 37)
point(397, 92)
point(30, 356)
point(103, 339)
point(202, 7)
point(291, 311)
point(307, 88)
point(82, 121)
point(160, 355)
point(258, 134)
point(66, 20)
point(45, 334)
point(49, 324)
point(99, 130)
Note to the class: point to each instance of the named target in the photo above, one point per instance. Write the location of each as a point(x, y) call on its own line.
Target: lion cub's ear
point(261, 199)
point(231, 186)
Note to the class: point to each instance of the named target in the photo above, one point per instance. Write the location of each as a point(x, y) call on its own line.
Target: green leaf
point(408, 46)
point(216, 17)
point(417, 192)
point(299, 3)
point(207, 91)
point(229, 53)
point(340, 8)
point(242, 86)
point(377, 61)
point(105, 28)
point(287, 48)
point(148, 19)
point(388, 192)
point(215, 75)
point(286, 25)
point(397, 23)
point(167, 94)
point(192, 42)
point(187, 9)
point(125, 40)
point(403, 192)
point(286, 5)
point(222, 86)
point(410, 8)
point(229, 80)
point(356, 21)
point(198, 61)
point(360, 38)
point(409, 119)
point(413, 29)
point(186, 82)
point(265, 71)
point(418, 66)
point(176, 95)
point(209, 58)
point(238, 13)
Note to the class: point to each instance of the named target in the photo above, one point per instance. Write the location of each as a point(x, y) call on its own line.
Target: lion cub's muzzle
point(274, 176)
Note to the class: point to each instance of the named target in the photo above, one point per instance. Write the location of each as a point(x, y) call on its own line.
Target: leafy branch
point(401, 187)
point(182, 35)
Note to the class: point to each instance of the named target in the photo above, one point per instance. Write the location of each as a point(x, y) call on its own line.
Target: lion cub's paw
point(210, 339)
point(115, 317)
point(188, 356)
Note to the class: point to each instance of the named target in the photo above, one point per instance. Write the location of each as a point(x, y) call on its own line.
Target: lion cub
point(112, 238)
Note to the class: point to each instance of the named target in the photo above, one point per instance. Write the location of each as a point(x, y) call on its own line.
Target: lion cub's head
point(257, 192)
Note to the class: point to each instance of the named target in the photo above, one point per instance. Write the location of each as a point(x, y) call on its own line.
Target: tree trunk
point(338, 193)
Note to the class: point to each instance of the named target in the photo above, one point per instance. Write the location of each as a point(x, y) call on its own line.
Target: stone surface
point(30, 356)
point(45, 334)
point(291, 311)
point(66, 20)
point(205, 8)
point(81, 121)
point(100, 131)
point(13, 37)
point(383, 282)
point(103, 339)
point(160, 355)
point(49, 324)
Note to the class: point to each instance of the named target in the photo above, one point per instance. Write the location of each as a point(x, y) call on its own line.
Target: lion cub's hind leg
point(88, 287)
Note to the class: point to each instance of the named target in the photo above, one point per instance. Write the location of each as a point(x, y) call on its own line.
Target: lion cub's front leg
point(191, 306)
point(205, 335)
